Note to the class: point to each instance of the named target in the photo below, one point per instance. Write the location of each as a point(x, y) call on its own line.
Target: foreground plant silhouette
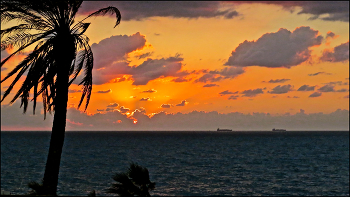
point(61, 52)
point(134, 182)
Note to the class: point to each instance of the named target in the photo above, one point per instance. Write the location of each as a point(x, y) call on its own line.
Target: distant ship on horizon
point(278, 129)
point(223, 129)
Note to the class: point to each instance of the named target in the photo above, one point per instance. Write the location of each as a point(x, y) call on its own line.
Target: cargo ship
point(224, 129)
point(278, 129)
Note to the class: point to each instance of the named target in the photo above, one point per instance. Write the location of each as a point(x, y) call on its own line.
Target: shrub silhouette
point(134, 182)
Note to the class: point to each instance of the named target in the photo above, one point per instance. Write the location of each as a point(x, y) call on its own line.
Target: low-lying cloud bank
point(12, 118)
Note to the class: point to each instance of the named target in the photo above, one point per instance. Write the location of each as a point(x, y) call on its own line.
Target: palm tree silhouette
point(134, 182)
point(61, 52)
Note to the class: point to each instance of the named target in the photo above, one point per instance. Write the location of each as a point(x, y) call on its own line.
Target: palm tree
point(61, 51)
point(134, 182)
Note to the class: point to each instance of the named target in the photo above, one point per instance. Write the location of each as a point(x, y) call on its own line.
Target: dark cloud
point(73, 91)
point(113, 105)
point(109, 109)
point(149, 91)
point(115, 48)
point(149, 70)
point(330, 34)
point(306, 88)
point(281, 89)
point(315, 74)
point(280, 49)
point(218, 75)
point(233, 97)
point(123, 109)
point(278, 80)
point(144, 55)
point(252, 93)
point(210, 85)
point(292, 97)
point(342, 90)
point(183, 103)
point(334, 10)
point(326, 88)
point(141, 10)
point(323, 10)
point(165, 105)
point(228, 92)
point(338, 54)
point(145, 99)
point(180, 79)
point(330, 88)
point(337, 83)
point(315, 94)
point(104, 91)
point(4, 54)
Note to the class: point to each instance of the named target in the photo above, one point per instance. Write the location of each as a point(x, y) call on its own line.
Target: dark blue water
point(186, 163)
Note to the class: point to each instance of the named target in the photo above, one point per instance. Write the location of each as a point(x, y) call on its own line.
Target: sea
point(185, 163)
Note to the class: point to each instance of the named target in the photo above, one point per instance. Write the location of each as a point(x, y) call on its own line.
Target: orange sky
point(252, 62)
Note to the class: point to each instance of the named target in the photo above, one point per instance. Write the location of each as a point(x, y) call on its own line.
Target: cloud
point(315, 74)
point(293, 97)
point(144, 55)
point(252, 93)
point(330, 88)
point(104, 91)
point(165, 105)
point(109, 109)
point(210, 85)
point(228, 92)
point(142, 10)
point(123, 109)
point(326, 88)
point(73, 91)
point(113, 105)
point(281, 89)
point(180, 79)
point(315, 94)
point(331, 35)
point(218, 75)
point(278, 80)
point(337, 83)
point(4, 54)
point(338, 54)
point(306, 88)
point(195, 120)
point(233, 97)
point(323, 10)
point(149, 91)
point(115, 48)
point(280, 49)
point(183, 103)
point(145, 99)
point(326, 10)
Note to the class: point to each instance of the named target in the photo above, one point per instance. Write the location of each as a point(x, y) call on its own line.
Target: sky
point(203, 65)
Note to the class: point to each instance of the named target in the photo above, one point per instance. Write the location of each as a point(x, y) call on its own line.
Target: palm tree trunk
point(64, 57)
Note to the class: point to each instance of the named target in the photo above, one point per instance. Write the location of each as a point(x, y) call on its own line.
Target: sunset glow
point(157, 69)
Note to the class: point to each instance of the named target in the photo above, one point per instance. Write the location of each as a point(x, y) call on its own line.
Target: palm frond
point(32, 41)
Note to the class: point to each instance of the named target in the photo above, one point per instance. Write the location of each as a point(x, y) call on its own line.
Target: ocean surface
point(292, 163)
